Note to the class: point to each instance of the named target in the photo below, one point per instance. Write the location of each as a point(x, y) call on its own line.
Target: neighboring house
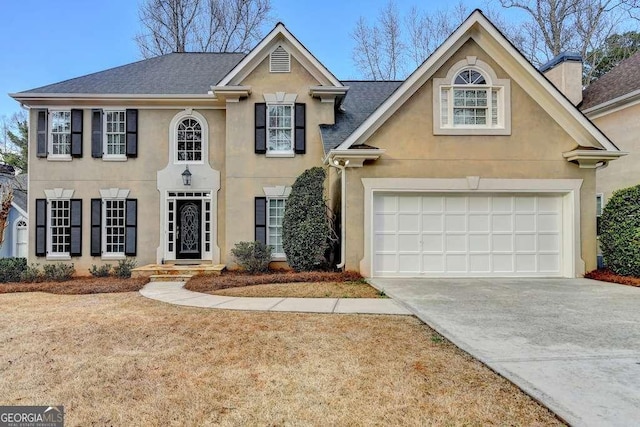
point(15, 242)
point(475, 165)
point(613, 103)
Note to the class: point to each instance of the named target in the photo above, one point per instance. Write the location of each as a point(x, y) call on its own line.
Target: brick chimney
point(565, 72)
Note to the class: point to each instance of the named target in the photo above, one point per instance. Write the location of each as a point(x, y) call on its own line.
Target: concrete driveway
point(573, 344)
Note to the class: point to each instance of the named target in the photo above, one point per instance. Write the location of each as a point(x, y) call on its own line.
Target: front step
point(170, 277)
point(176, 269)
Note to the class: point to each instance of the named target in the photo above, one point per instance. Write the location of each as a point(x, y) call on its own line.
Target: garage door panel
point(458, 235)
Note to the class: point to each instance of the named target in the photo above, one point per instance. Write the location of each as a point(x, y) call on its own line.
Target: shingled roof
point(174, 73)
point(361, 101)
point(624, 78)
point(19, 186)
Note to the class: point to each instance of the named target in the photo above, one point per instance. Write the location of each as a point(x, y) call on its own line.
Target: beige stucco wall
point(567, 76)
point(533, 150)
point(246, 172)
point(623, 128)
point(87, 176)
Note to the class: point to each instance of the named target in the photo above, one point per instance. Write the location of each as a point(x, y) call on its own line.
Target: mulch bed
point(78, 286)
point(237, 279)
point(605, 275)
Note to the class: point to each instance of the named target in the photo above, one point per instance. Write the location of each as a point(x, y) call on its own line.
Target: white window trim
point(173, 137)
point(276, 192)
point(111, 194)
point(601, 197)
point(15, 235)
point(281, 98)
point(57, 157)
point(58, 194)
point(105, 155)
point(503, 87)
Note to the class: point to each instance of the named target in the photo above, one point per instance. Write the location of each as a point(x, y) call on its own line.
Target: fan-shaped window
point(472, 100)
point(189, 141)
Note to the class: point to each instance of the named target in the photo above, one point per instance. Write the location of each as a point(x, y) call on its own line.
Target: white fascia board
point(26, 97)
point(613, 105)
point(576, 124)
point(225, 92)
point(253, 59)
point(20, 210)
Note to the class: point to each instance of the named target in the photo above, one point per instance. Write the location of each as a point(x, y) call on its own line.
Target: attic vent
point(280, 61)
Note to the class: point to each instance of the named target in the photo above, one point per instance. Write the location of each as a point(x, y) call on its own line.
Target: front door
point(189, 229)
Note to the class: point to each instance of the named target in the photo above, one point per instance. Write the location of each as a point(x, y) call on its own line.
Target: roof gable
point(491, 40)
point(268, 44)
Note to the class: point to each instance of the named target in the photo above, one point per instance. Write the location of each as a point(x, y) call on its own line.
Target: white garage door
point(467, 235)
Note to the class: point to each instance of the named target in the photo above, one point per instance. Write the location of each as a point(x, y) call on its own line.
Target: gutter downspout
point(343, 208)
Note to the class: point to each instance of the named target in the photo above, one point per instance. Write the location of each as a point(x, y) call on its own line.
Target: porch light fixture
point(186, 176)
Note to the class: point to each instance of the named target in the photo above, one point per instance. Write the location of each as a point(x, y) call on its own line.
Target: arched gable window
point(471, 100)
point(189, 140)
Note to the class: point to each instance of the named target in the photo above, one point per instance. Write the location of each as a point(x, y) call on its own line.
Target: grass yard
point(120, 359)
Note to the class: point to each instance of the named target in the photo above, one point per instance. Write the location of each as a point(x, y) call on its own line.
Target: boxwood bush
point(252, 256)
point(11, 269)
point(620, 232)
point(307, 229)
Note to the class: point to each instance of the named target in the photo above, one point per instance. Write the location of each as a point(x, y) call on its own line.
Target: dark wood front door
point(189, 229)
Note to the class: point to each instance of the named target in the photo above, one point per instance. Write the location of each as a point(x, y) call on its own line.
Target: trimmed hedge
point(252, 256)
point(11, 269)
point(620, 232)
point(307, 230)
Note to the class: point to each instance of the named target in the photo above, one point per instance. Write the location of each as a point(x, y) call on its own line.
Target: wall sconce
point(186, 176)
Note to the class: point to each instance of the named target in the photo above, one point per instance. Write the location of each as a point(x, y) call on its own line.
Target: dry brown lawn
point(120, 359)
point(305, 290)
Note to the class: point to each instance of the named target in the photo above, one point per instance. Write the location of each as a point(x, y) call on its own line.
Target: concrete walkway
point(573, 344)
point(175, 293)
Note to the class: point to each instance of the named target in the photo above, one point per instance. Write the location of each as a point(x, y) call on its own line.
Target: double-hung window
point(114, 229)
point(280, 128)
point(471, 100)
point(275, 215)
point(60, 134)
point(59, 228)
point(115, 134)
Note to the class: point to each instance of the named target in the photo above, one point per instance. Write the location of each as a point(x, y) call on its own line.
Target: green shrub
point(252, 256)
point(11, 269)
point(58, 272)
point(124, 267)
point(307, 232)
point(102, 271)
point(32, 273)
point(620, 232)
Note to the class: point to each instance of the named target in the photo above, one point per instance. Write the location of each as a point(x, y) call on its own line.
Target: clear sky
point(47, 41)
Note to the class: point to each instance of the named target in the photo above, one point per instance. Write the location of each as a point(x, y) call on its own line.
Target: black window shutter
point(96, 227)
point(132, 133)
point(261, 219)
point(261, 128)
point(96, 133)
point(76, 227)
point(300, 136)
point(42, 133)
point(131, 224)
point(76, 133)
point(41, 227)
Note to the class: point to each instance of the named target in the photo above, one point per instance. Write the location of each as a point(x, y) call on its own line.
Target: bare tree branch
point(200, 25)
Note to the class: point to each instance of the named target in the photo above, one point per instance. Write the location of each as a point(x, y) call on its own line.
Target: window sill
point(472, 131)
point(278, 257)
point(59, 157)
point(280, 154)
point(112, 257)
point(58, 257)
point(112, 158)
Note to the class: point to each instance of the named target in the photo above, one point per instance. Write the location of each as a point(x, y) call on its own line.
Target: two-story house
point(475, 165)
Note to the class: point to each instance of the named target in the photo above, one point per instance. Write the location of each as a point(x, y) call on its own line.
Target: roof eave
point(353, 158)
point(612, 105)
point(592, 159)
